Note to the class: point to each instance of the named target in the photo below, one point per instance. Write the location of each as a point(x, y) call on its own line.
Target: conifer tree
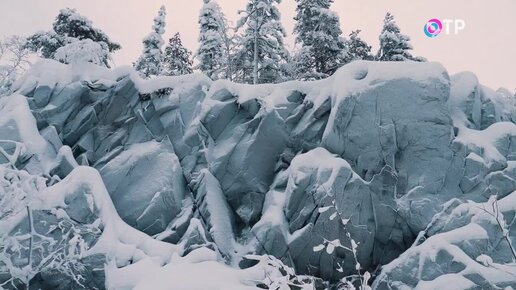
point(74, 36)
point(394, 46)
point(261, 56)
point(214, 42)
point(323, 49)
point(150, 62)
point(176, 59)
point(358, 49)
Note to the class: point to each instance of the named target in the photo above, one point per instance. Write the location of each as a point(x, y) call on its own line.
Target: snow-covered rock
point(481, 106)
point(368, 157)
point(146, 185)
point(314, 202)
point(467, 246)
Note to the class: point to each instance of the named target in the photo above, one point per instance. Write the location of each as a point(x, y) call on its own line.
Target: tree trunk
point(255, 58)
point(229, 69)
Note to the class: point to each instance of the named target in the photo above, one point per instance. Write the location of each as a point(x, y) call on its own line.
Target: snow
point(275, 201)
point(464, 84)
point(118, 240)
point(446, 243)
point(162, 82)
point(65, 153)
point(18, 124)
point(363, 75)
point(325, 159)
point(136, 261)
point(222, 228)
point(446, 282)
point(350, 79)
point(471, 223)
point(486, 139)
point(81, 51)
point(180, 275)
point(470, 99)
point(51, 73)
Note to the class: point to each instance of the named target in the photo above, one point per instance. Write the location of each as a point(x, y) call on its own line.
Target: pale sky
point(487, 46)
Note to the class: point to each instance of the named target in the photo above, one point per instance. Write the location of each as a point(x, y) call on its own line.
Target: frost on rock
point(269, 185)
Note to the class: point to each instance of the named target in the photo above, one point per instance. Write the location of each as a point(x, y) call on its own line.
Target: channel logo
point(435, 27)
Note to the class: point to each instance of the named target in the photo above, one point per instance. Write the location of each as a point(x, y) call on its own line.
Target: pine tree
point(70, 28)
point(214, 42)
point(261, 56)
point(357, 48)
point(176, 59)
point(318, 32)
point(394, 46)
point(150, 62)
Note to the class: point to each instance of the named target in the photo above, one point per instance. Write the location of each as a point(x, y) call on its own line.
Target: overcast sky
point(487, 46)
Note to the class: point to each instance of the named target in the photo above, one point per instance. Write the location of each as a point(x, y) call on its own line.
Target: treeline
point(252, 52)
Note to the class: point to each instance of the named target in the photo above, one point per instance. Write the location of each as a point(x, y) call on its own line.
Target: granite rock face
point(146, 185)
point(327, 201)
point(379, 154)
point(470, 244)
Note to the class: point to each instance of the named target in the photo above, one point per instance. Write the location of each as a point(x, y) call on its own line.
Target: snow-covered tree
point(214, 42)
point(150, 62)
point(357, 48)
point(261, 55)
point(317, 29)
point(394, 46)
point(14, 60)
point(30, 250)
point(70, 23)
point(177, 60)
point(70, 27)
point(85, 50)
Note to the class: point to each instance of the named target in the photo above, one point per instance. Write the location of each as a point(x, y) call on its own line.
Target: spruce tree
point(323, 49)
point(70, 32)
point(150, 62)
point(71, 24)
point(261, 56)
point(394, 46)
point(214, 42)
point(357, 48)
point(176, 59)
